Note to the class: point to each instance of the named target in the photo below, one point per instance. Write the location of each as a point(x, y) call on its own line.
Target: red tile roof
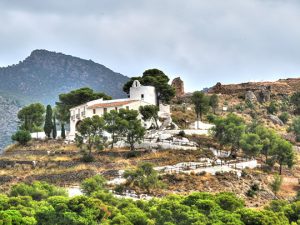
point(111, 104)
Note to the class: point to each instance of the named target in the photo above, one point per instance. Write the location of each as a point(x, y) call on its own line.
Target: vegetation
point(75, 98)
point(41, 203)
point(22, 137)
point(214, 102)
point(295, 100)
point(251, 144)
point(276, 184)
point(253, 140)
point(112, 122)
point(272, 108)
point(156, 78)
point(149, 112)
point(228, 131)
point(48, 127)
point(131, 127)
point(284, 117)
point(295, 127)
point(201, 103)
point(144, 177)
point(32, 117)
point(54, 131)
point(91, 134)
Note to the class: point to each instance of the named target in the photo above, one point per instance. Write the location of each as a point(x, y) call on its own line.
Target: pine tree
point(54, 132)
point(48, 121)
point(63, 131)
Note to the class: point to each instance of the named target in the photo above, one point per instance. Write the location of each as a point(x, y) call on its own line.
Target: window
point(116, 108)
point(105, 110)
point(142, 96)
point(127, 107)
point(94, 111)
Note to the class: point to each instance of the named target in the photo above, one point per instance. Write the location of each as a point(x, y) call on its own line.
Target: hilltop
point(44, 75)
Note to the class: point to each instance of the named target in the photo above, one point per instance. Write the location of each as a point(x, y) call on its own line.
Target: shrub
point(92, 184)
point(253, 190)
point(22, 137)
point(272, 108)
point(87, 158)
point(284, 117)
point(181, 133)
point(37, 190)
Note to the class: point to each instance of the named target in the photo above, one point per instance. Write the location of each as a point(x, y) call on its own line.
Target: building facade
point(138, 96)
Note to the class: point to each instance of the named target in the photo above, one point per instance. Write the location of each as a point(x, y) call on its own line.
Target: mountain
point(9, 108)
point(42, 76)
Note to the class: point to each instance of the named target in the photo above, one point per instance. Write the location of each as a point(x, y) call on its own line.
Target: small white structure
point(138, 96)
point(199, 125)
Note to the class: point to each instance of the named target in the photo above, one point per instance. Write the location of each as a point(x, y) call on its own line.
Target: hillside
point(281, 87)
point(44, 74)
point(9, 108)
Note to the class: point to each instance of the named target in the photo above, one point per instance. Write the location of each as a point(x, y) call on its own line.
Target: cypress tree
point(48, 121)
point(54, 132)
point(63, 131)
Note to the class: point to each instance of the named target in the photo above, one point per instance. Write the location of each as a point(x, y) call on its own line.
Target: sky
point(202, 41)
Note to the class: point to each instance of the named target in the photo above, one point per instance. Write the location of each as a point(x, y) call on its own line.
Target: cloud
point(202, 41)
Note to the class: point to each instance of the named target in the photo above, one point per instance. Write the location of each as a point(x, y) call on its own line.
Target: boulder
point(275, 120)
point(250, 96)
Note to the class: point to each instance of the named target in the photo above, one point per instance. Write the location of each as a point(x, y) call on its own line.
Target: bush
point(181, 133)
point(22, 137)
point(284, 117)
point(87, 158)
point(92, 184)
point(253, 190)
point(133, 154)
point(272, 108)
point(37, 190)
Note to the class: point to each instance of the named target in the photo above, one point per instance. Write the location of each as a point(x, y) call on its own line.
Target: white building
point(138, 96)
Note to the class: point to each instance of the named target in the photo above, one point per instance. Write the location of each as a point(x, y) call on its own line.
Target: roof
point(111, 104)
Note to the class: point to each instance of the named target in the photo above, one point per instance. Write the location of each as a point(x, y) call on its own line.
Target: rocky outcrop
point(178, 85)
point(250, 96)
point(262, 90)
point(275, 120)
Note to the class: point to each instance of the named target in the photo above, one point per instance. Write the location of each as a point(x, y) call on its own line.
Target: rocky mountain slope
point(280, 87)
point(42, 76)
point(9, 108)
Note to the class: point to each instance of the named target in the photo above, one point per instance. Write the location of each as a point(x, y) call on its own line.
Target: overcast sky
point(203, 41)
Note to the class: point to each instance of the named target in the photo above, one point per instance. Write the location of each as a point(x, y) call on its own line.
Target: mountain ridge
point(45, 74)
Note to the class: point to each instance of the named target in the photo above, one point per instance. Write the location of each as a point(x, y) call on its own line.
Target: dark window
point(116, 108)
point(105, 110)
point(142, 96)
point(94, 111)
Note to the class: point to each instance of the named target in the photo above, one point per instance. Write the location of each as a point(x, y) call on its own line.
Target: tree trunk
point(113, 140)
point(280, 168)
point(197, 120)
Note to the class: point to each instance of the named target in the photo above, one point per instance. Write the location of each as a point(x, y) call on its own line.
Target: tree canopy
point(157, 78)
point(75, 98)
point(42, 203)
point(201, 103)
point(32, 117)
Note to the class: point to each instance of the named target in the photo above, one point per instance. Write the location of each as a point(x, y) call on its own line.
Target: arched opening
point(136, 83)
point(78, 125)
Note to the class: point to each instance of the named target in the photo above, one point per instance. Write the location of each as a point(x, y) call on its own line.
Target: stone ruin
point(178, 85)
